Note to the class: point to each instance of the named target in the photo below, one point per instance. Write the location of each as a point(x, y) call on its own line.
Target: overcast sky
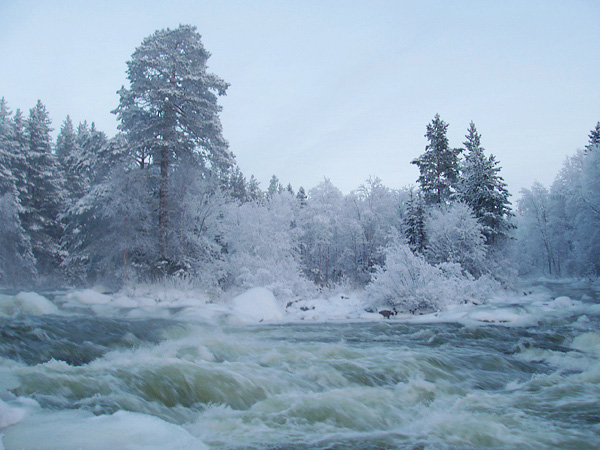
point(342, 89)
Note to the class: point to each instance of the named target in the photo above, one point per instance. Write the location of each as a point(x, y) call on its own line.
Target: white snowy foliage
point(455, 236)
point(262, 246)
point(408, 283)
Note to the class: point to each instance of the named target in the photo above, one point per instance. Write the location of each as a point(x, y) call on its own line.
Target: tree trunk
point(163, 204)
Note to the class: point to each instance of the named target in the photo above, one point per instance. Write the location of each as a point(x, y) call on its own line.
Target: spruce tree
point(414, 223)
point(301, 196)
point(17, 264)
point(238, 186)
point(483, 189)
point(274, 187)
point(254, 192)
point(594, 138)
point(439, 165)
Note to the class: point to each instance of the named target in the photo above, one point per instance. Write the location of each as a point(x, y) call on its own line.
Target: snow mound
point(89, 297)
point(562, 302)
point(9, 415)
point(258, 304)
point(28, 303)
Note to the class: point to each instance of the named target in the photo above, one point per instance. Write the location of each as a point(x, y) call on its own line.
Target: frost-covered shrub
point(455, 236)
point(406, 281)
point(261, 244)
point(409, 283)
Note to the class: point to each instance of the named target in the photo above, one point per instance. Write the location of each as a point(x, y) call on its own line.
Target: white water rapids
point(72, 378)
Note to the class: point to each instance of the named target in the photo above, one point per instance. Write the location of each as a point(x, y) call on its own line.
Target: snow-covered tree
point(274, 187)
point(255, 194)
point(262, 246)
point(110, 232)
point(45, 195)
point(594, 138)
point(482, 188)
point(372, 214)
point(17, 263)
point(455, 236)
point(439, 165)
point(535, 238)
point(170, 110)
point(321, 241)
point(301, 196)
point(414, 222)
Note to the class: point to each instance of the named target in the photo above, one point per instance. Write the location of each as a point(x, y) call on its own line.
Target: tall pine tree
point(170, 110)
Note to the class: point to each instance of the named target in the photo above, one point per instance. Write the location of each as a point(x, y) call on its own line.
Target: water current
point(79, 380)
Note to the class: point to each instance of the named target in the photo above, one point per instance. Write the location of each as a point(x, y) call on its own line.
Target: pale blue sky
point(342, 89)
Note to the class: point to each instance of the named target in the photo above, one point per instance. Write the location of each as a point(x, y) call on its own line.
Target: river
point(74, 379)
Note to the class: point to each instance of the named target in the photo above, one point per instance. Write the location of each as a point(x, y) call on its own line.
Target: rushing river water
point(77, 380)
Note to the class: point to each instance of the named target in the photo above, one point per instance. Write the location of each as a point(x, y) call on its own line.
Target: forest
point(164, 200)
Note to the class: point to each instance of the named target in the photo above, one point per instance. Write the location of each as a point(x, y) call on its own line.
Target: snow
point(78, 430)
point(89, 297)
point(258, 304)
point(9, 416)
point(26, 302)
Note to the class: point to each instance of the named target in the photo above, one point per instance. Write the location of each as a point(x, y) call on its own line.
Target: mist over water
point(78, 380)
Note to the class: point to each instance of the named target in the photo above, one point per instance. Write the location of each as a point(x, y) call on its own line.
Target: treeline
point(164, 198)
point(559, 227)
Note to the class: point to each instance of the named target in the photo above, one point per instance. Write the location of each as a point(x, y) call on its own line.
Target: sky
point(336, 89)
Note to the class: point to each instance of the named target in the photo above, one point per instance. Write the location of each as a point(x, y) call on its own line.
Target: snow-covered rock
point(258, 304)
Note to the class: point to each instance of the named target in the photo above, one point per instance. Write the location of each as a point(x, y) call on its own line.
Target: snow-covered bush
point(455, 236)
point(262, 248)
point(408, 283)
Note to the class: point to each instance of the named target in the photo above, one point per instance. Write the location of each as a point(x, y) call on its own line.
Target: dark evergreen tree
point(439, 165)
point(44, 198)
point(594, 138)
point(301, 196)
point(483, 189)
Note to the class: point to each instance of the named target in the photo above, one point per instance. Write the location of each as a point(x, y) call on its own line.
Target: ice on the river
point(259, 305)
point(26, 303)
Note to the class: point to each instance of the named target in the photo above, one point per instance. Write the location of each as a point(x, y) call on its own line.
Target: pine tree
point(170, 110)
point(44, 198)
point(439, 165)
point(483, 189)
